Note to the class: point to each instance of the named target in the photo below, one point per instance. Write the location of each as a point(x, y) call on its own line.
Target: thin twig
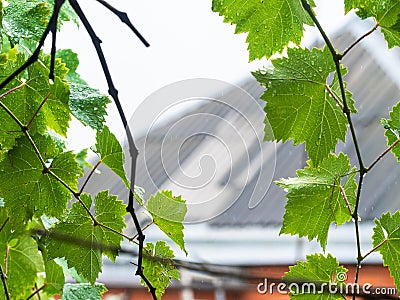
point(4, 224)
point(3, 280)
point(132, 148)
point(343, 192)
point(383, 154)
point(375, 248)
point(89, 176)
point(37, 291)
point(125, 19)
point(358, 40)
point(37, 110)
point(143, 229)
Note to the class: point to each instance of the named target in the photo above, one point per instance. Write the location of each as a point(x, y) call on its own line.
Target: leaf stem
point(358, 40)
point(143, 229)
point(89, 176)
point(375, 248)
point(383, 154)
point(37, 110)
point(3, 280)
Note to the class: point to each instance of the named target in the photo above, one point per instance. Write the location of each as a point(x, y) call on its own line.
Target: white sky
point(187, 40)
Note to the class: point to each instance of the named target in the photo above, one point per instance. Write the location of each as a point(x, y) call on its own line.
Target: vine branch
point(3, 280)
point(133, 151)
point(336, 58)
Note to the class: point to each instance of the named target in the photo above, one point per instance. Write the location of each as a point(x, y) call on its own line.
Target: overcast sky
point(187, 40)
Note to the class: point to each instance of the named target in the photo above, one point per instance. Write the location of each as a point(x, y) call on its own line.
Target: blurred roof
point(171, 154)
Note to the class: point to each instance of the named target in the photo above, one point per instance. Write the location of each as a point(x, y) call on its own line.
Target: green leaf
point(386, 14)
point(55, 279)
point(70, 59)
point(25, 101)
point(83, 291)
point(93, 241)
point(168, 213)
point(111, 153)
point(81, 158)
point(20, 102)
point(56, 109)
point(315, 199)
point(392, 132)
point(23, 259)
point(158, 266)
point(311, 276)
point(271, 24)
point(299, 105)
point(26, 19)
point(387, 233)
point(32, 191)
point(88, 105)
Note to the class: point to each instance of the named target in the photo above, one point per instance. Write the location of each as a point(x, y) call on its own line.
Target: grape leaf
point(271, 24)
point(392, 132)
point(22, 256)
point(71, 61)
point(387, 231)
point(299, 105)
point(20, 102)
point(111, 153)
point(55, 279)
point(88, 105)
point(158, 266)
point(25, 101)
point(168, 213)
point(66, 13)
point(86, 257)
point(311, 277)
point(56, 108)
point(315, 199)
point(386, 14)
point(80, 291)
point(26, 19)
point(33, 192)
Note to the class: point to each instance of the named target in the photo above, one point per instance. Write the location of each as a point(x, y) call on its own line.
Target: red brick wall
point(376, 275)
